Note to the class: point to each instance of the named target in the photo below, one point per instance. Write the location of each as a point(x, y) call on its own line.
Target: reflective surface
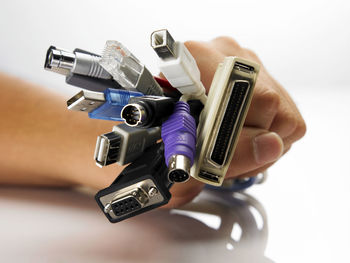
point(68, 226)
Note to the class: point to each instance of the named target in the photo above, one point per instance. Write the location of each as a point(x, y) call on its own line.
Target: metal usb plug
point(124, 144)
point(86, 101)
point(105, 105)
point(178, 66)
point(163, 44)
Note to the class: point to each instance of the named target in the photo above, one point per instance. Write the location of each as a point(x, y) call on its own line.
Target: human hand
point(273, 121)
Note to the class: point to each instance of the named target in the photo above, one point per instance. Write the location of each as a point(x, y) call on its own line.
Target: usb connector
point(105, 105)
point(178, 66)
point(86, 101)
point(124, 144)
point(163, 44)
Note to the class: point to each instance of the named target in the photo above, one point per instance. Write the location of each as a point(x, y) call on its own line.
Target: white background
point(304, 44)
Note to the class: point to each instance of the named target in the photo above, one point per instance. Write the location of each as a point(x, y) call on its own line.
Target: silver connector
point(131, 199)
point(107, 149)
point(127, 202)
point(134, 114)
point(86, 101)
point(59, 60)
point(163, 44)
point(67, 62)
point(179, 168)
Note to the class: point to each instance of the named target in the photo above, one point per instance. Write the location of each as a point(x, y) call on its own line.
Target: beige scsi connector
point(222, 118)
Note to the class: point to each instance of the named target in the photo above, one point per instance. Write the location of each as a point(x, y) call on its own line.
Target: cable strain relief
point(182, 106)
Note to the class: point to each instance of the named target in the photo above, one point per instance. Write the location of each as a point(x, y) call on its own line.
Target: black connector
point(147, 111)
point(141, 186)
point(196, 108)
point(231, 119)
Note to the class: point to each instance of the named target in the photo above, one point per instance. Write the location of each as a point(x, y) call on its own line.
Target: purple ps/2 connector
point(179, 137)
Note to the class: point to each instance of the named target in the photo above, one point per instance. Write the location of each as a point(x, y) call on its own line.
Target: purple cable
point(179, 137)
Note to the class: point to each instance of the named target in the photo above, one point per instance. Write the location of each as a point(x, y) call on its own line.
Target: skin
point(44, 144)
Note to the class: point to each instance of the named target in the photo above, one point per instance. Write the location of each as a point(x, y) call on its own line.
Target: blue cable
point(116, 99)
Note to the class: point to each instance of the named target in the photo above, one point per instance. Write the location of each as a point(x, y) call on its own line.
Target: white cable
point(178, 65)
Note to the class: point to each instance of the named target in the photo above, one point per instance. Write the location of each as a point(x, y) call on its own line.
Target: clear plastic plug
point(125, 68)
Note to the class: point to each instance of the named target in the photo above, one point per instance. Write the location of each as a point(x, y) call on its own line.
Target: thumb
point(255, 148)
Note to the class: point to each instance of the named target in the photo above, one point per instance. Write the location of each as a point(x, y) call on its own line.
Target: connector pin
point(107, 208)
point(86, 101)
point(152, 191)
point(163, 44)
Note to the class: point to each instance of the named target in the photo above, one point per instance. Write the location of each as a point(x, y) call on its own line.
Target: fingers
point(273, 122)
point(255, 148)
point(286, 120)
point(262, 168)
point(230, 47)
point(263, 108)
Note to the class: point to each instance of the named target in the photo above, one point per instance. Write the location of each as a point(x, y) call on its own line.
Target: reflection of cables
point(237, 211)
point(235, 185)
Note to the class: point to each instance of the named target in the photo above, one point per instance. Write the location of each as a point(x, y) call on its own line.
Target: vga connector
point(222, 118)
point(142, 186)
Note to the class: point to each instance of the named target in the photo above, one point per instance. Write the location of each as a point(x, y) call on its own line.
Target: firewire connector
point(80, 67)
point(178, 66)
point(105, 105)
point(141, 186)
point(124, 144)
point(147, 111)
point(127, 70)
point(222, 118)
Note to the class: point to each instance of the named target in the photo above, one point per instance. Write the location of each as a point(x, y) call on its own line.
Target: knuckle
point(300, 129)
point(227, 40)
point(191, 44)
point(197, 47)
point(270, 99)
point(291, 121)
point(252, 55)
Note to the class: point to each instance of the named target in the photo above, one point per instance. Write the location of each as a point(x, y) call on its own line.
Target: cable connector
point(141, 186)
point(127, 70)
point(178, 65)
point(124, 144)
point(179, 137)
point(105, 105)
point(78, 62)
point(80, 67)
point(147, 111)
point(222, 118)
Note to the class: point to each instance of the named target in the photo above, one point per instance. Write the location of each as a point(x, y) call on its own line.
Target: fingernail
point(268, 147)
